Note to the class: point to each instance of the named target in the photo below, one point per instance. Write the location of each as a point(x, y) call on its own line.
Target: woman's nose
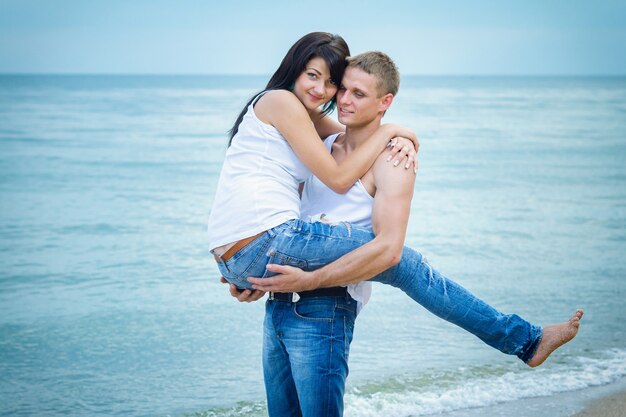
point(319, 88)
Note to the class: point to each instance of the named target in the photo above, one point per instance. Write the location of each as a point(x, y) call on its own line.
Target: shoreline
point(601, 401)
point(611, 405)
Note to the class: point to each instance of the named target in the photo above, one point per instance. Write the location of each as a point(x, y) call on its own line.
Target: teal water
point(110, 304)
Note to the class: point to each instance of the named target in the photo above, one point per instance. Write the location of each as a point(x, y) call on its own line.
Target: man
point(306, 343)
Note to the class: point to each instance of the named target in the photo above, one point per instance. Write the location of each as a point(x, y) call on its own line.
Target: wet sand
point(603, 401)
point(611, 406)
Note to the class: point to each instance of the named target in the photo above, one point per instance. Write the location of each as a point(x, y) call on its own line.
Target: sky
point(471, 37)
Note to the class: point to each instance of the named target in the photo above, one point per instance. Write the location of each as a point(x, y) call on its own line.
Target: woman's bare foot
point(555, 336)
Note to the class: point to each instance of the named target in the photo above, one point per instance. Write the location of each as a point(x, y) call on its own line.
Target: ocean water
point(110, 303)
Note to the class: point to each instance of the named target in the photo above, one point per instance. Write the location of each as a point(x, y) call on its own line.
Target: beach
point(111, 303)
point(610, 405)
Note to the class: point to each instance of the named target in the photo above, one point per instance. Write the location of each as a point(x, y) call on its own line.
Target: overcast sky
point(248, 37)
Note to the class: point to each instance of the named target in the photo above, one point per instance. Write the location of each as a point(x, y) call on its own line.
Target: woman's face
point(313, 87)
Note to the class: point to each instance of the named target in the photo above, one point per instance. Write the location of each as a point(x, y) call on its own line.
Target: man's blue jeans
point(305, 355)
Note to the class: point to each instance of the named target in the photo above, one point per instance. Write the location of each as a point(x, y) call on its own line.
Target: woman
point(255, 214)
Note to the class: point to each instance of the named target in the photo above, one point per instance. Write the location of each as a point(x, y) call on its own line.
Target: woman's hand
point(401, 131)
point(403, 150)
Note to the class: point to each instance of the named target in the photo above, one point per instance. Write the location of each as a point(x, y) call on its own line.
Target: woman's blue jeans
point(312, 245)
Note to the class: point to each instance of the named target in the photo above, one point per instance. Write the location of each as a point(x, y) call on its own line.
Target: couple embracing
point(316, 248)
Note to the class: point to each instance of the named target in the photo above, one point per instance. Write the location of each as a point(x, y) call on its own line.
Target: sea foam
point(475, 387)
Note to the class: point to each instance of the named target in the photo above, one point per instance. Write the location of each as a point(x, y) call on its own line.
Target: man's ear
point(385, 102)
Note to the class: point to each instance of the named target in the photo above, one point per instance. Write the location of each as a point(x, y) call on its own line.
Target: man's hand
point(289, 279)
point(244, 296)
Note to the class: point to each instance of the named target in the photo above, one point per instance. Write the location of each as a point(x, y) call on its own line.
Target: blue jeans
point(312, 245)
point(305, 355)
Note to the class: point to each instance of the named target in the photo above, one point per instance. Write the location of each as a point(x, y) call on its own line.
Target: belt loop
point(220, 262)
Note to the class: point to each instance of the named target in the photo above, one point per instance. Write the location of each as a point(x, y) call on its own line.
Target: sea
point(111, 305)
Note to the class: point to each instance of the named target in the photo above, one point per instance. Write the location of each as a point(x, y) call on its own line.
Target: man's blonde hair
point(382, 67)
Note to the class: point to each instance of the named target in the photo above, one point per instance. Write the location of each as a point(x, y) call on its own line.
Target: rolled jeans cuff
point(527, 354)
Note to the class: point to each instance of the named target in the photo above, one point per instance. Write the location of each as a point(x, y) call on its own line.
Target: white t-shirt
point(258, 184)
point(355, 207)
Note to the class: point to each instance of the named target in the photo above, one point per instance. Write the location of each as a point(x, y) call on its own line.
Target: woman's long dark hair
point(331, 48)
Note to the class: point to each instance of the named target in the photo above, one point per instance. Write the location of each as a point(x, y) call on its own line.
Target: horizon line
point(157, 74)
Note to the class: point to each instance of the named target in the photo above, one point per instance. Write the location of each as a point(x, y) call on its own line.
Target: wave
point(463, 388)
point(480, 387)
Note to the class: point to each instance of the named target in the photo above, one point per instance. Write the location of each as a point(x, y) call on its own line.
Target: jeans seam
point(345, 339)
point(260, 253)
point(313, 233)
point(330, 359)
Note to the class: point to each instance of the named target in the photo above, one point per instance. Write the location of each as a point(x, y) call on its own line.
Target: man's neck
point(357, 135)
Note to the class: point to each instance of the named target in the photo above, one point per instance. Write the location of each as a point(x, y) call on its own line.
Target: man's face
point(357, 98)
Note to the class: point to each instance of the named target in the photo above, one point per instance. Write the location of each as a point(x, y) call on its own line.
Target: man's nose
point(344, 97)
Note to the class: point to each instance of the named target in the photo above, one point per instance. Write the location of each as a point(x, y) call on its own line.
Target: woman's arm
point(283, 110)
point(401, 150)
point(326, 125)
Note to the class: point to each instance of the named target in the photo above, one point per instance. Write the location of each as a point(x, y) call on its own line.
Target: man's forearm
point(361, 264)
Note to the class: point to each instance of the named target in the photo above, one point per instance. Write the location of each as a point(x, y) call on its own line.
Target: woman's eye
point(311, 75)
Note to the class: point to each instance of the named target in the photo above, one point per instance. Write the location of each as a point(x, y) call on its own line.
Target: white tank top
point(355, 207)
point(258, 185)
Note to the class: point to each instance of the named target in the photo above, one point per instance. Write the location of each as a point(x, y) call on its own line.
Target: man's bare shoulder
point(382, 165)
point(384, 173)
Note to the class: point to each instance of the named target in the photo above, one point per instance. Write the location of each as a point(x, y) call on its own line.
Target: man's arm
point(390, 215)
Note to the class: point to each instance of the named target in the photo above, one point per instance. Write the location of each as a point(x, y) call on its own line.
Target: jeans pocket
point(348, 305)
point(248, 262)
point(315, 309)
point(283, 259)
